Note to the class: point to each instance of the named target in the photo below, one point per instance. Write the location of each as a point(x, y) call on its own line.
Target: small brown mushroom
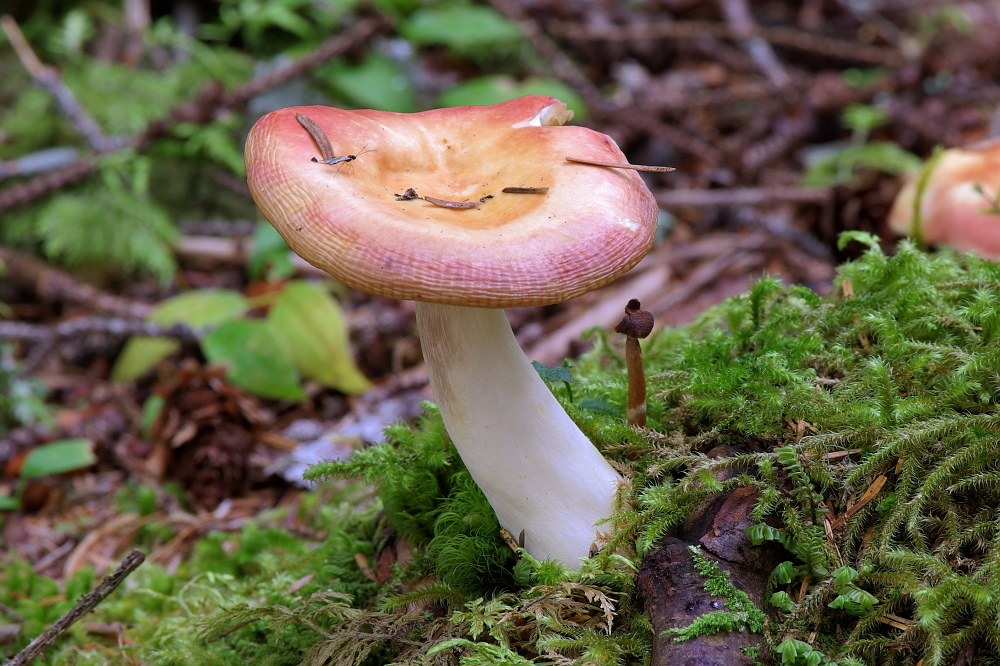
point(634, 325)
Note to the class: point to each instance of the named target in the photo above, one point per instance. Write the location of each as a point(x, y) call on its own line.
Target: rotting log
point(674, 591)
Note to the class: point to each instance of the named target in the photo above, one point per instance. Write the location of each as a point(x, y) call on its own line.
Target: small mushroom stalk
point(634, 325)
point(541, 474)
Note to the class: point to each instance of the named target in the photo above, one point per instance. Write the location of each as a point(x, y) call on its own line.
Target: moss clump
point(866, 420)
point(890, 384)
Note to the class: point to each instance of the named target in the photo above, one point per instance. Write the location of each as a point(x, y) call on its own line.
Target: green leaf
point(9, 503)
point(270, 258)
point(312, 329)
point(495, 89)
point(863, 117)
point(784, 573)
point(783, 601)
point(58, 457)
point(140, 355)
point(461, 28)
point(376, 82)
point(863, 237)
point(201, 308)
point(557, 373)
point(151, 410)
point(108, 229)
point(197, 309)
point(255, 359)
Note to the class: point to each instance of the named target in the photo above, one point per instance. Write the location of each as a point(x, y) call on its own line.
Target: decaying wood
point(674, 591)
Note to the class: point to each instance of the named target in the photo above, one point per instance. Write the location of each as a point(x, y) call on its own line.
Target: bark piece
point(674, 591)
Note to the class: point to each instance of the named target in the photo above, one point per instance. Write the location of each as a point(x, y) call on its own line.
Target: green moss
point(741, 613)
point(896, 373)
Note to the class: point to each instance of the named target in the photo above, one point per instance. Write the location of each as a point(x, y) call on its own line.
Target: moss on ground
point(867, 420)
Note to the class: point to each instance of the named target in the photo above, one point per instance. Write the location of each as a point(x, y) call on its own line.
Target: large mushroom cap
point(592, 225)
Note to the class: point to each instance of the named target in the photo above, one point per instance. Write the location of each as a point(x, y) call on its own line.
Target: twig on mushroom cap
point(452, 204)
point(635, 324)
point(614, 165)
point(525, 190)
point(323, 142)
point(318, 135)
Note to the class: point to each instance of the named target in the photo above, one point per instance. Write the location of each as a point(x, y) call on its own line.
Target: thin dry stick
point(740, 19)
point(744, 196)
point(80, 326)
point(618, 165)
point(47, 337)
point(567, 70)
point(87, 603)
point(52, 284)
point(777, 35)
point(562, 65)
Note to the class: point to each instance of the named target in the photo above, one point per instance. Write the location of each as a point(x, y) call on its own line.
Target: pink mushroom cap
point(592, 224)
point(952, 211)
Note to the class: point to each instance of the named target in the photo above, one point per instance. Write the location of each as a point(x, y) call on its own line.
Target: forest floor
point(777, 124)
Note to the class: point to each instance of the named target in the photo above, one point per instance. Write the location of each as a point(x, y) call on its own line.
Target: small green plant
point(66, 455)
point(557, 373)
point(794, 652)
point(840, 166)
point(304, 336)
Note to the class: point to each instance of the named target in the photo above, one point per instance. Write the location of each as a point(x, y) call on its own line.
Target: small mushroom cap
point(592, 225)
point(952, 211)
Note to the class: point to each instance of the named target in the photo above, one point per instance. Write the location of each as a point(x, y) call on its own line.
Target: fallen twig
point(568, 71)
point(794, 38)
point(49, 80)
point(86, 604)
point(741, 21)
point(234, 251)
point(52, 284)
point(743, 196)
point(14, 330)
point(47, 337)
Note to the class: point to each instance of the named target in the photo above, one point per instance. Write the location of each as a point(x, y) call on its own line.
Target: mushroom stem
point(636, 408)
point(538, 470)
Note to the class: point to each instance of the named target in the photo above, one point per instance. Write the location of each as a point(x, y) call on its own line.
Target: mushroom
point(636, 324)
point(543, 477)
point(959, 207)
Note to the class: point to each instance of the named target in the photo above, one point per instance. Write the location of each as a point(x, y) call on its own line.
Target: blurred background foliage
point(130, 70)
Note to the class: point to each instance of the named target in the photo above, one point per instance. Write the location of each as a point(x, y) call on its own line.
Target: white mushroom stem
point(538, 470)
